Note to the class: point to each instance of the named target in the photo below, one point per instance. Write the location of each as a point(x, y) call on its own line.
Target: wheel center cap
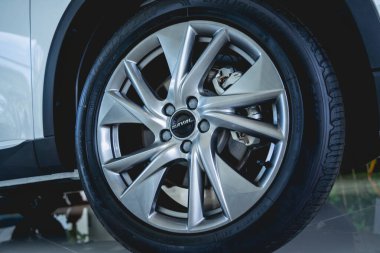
point(182, 123)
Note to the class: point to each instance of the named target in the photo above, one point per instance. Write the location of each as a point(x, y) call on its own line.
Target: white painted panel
point(377, 3)
point(45, 16)
point(16, 121)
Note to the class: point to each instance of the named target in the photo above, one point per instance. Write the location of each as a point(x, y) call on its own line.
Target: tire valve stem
point(266, 164)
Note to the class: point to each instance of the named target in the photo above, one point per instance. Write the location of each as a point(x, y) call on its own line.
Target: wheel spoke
point(261, 77)
point(126, 162)
point(233, 191)
point(239, 192)
point(195, 214)
point(203, 65)
point(142, 88)
point(113, 112)
point(239, 100)
point(208, 163)
point(141, 194)
point(245, 125)
point(177, 43)
point(132, 112)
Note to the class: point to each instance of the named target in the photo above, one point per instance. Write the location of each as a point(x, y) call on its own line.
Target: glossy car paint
point(16, 105)
point(45, 16)
point(377, 3)
point(26, 31)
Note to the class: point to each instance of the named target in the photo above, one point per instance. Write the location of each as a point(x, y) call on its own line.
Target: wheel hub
point(182, 124)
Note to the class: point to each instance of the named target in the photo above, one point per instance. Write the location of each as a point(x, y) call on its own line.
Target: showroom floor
point(349, 222)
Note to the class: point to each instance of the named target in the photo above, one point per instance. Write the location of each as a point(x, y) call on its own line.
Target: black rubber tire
point(313, 154)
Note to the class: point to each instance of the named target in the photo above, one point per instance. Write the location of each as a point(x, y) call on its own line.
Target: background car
point(195, 126)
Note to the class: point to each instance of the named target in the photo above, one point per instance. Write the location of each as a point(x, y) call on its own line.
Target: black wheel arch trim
point(52, 62)
point(367, 19)
point(54, 55)
point(76, 12)
point(30, 159)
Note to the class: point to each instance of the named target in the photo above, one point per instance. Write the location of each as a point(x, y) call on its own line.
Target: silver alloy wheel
point(187, 125)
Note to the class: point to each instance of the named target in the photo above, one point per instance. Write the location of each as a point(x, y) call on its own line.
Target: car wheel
point(209, 126)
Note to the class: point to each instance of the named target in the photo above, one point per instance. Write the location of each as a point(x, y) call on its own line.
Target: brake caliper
point(224, 79)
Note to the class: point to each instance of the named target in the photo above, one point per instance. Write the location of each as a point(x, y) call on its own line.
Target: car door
point(16, 106)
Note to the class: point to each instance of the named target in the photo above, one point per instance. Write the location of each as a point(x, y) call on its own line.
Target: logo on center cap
point(182, 124)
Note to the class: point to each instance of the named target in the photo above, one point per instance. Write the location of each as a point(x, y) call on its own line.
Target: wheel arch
point(349, 31)
point(81, 33)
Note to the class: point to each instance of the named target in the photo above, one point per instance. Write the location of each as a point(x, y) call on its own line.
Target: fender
point(367, 18)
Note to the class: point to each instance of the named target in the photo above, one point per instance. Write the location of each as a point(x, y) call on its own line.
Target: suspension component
point(253, 113)
point(225, 78)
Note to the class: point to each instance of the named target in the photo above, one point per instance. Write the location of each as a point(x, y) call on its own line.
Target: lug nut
point(169, 110)
point(186, 146)
point(204, 126)
point(192, 103)
point(166, 135)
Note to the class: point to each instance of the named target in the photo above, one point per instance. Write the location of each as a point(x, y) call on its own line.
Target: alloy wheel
point(193, 127)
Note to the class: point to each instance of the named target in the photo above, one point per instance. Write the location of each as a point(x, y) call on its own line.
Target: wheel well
point(89, 30)
point(95, 22)
point(333, 25)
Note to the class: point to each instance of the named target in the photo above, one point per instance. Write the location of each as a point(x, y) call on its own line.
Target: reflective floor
point(349, 222)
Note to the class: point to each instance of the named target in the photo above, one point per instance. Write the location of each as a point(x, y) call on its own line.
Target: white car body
point(24, 48)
